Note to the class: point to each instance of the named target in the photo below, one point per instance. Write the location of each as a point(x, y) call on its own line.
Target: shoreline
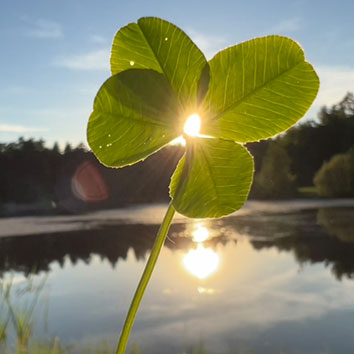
point(152, 214)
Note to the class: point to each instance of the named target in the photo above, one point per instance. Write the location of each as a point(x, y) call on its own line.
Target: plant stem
point(156, 248)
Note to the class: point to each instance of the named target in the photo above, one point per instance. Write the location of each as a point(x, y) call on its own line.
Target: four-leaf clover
point(245, 93)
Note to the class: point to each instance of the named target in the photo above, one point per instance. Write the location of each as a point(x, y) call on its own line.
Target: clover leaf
point(247, 92)
point(251, 91)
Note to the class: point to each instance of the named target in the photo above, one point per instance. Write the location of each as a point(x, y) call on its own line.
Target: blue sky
point(55, 54)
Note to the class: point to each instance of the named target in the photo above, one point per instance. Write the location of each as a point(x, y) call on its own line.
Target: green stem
point(156, 248)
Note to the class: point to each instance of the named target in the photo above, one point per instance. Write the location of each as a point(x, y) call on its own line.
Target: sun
point(191, 128)
point(192, 125)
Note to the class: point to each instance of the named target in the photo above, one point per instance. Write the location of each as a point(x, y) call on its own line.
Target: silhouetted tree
point(311, 143)
point(274, 179)
point(336, 177)
point(68, 149)
point(56, 148)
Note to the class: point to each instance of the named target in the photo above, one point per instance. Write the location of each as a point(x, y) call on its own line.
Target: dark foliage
point(336, 177)
point(310, 144)
point(74, 181)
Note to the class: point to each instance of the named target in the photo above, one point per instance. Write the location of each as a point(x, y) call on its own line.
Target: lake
point(276, 277)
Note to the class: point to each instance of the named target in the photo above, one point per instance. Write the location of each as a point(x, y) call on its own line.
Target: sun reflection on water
point(201, 234)
point(201, 262)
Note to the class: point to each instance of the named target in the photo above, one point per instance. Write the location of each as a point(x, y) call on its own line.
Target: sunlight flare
point(192, 125)
point(201, 262)
point(178, 141)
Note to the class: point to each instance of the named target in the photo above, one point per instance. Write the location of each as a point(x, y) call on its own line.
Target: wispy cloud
point(97, 39)
point(99, 59)
point(48, 122)
point(10, 128)
point(286, 26)
point(64, 114)
point(209, 44)
point(43, 29)
point(94, 60)
point(335, 82)
point(16, 90)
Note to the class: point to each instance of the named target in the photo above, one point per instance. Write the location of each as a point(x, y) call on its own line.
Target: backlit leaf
point(257, 89)
point(153, 43)
point(135, 114)
point(212, 179)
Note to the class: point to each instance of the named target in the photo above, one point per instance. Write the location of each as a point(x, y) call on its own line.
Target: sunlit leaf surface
point(135, 114)
point(258, 89)
point(153, 43)
point(247, 92)
point(212, 179)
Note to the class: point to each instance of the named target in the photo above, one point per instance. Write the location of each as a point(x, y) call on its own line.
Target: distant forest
point(312, 158)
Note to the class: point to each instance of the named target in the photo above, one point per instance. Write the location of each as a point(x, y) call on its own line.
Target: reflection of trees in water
point(112, 242)
point(306, 234)
point(338, 222)
point(308, 241)
point(319, 249)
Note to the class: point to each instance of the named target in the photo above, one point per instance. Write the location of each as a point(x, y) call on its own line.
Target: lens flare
point(87, 183)
point(178, 141)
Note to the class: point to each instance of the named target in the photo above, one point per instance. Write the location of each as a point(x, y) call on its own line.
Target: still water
point(273, 278)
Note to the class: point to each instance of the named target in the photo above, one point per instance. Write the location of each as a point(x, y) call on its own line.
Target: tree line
point(319, 153)
point(316, 153)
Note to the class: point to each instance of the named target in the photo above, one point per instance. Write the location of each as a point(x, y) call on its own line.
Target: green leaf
point(135, 114)
point(153, 43)
point(257, 89)
point(212, 179)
